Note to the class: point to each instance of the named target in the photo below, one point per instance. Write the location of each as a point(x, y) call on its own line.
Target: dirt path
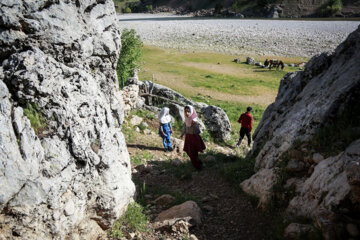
point(227, 213)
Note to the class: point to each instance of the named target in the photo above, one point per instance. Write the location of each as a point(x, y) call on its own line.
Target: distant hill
point(247, 8)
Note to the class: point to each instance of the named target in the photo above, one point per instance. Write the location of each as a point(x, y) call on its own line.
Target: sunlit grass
point(215, 74)
point(215, 79)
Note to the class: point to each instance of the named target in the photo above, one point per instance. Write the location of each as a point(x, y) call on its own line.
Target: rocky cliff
point(65, 174)
point(307, 145)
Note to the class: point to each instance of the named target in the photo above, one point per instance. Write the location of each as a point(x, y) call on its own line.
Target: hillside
point(246, 8)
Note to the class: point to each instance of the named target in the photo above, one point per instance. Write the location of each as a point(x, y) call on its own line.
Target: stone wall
point(70, 178)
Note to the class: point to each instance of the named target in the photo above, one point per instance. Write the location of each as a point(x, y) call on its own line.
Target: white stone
point(136, 120)
point(317, 157)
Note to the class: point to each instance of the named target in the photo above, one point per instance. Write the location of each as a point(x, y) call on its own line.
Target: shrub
point(149, 8)
point(130, 55)
point(37, 119)
point(333, 7)
point(133, 220)
point(127, 10)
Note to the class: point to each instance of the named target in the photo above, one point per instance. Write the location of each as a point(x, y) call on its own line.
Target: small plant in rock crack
point(134, 220)
point(36, 117)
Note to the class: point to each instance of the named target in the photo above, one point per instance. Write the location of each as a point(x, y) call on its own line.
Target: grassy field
point(213, 78)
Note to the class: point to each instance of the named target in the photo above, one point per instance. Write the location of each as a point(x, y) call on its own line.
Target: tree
point(130, 55)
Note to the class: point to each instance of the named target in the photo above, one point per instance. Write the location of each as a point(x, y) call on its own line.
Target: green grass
point(129, 134)
point(183, 171)
point(233, 168)
point(36, 117)
point(143, 113)
point(159, 190)
point(233, 87)
point(141, 158)
point(227, 77)
point(134, 220)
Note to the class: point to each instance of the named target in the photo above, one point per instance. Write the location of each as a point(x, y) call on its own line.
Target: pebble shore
point(291, 38)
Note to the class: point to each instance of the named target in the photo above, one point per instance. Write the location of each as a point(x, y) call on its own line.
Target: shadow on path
point(143, 147)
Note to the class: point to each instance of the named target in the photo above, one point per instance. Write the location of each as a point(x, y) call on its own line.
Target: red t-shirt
point(246, 120)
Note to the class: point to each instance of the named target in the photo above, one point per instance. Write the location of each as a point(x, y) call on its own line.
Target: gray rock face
point(306, 102)
point(217, 122)
point(73, 178)
point(296, 231)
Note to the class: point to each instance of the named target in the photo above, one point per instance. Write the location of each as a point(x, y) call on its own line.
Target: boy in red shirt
point(246, 120)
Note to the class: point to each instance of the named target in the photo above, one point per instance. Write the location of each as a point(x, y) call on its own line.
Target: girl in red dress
point(193, 141)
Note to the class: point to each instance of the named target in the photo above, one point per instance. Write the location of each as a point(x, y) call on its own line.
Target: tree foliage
point(333, 7)
point(130, 55)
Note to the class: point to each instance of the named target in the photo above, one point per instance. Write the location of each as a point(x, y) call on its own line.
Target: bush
point(333, 7)
point(133, 220)
point(130, 55)
point(149, 8)
point(127, 10)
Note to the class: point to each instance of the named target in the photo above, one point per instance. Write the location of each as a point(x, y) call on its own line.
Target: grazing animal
point(276, 63)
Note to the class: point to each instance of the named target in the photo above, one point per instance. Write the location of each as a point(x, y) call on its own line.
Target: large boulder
point(187, 209)
point(217, 123)
point(72, 177)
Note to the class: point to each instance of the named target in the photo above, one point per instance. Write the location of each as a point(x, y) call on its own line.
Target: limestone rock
point(307, 101)
point(60, 57)
point(317, 157)
point(326, 187)
point(136, 120)
point(186, 209)
point(193, 237)
point(177, 145)
point(295, 165)
point(164, 200)
point(209, 158)
point(217, 123)
point(353, 230)
point(175, 225)
point(260, 185)
point(296, 231)
point(176, 162)
point(237, 60)
point(250, 60)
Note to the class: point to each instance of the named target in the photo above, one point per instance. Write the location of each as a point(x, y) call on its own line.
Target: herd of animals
point(272, 63)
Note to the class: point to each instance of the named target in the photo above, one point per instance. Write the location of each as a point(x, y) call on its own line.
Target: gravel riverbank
point(239, 36)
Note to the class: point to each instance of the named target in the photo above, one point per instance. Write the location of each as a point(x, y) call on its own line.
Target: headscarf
point(193, 116)
point(164, 116)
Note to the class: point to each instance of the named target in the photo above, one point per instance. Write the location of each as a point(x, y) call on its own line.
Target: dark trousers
point(243, 132)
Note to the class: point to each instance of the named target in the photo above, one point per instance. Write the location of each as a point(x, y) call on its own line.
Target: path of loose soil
point(229, 213)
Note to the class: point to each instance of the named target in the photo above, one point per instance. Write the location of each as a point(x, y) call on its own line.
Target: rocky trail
point(226, 213)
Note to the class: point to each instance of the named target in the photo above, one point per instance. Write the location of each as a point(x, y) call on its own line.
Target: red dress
point(192, 146)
